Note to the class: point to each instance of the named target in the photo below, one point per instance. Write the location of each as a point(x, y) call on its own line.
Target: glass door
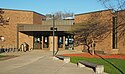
point(46, 42)
point(69, 42)
point(37, 42)
point(60, 41)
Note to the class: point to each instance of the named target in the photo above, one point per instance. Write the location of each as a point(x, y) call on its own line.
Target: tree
point(118, 7)
point(92, 30)
point(1, 17)
point(3, 21)
point(60, 15)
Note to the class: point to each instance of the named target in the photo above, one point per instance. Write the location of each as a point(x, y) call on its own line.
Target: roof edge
point(93, 12)
point(22, 10)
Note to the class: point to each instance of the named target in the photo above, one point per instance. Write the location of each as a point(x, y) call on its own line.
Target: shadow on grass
point(110, 63)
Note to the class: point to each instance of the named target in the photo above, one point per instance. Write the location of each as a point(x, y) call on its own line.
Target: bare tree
point(60, 15)
point(92, 30)
point(118, 7)
point(114, 4)
point(3, 21)
point(1, 17)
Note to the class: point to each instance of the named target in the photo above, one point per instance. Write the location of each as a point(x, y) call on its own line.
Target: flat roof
point(22, 10)
point(93, 12)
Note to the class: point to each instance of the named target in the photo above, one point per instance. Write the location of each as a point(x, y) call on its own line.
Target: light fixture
point(2, 38)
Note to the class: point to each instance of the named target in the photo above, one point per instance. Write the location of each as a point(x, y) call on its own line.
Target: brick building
point(31, 27)
point(112, 43)
point(9, 31)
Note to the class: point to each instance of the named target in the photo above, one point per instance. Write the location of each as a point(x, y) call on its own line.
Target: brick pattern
point(121, 41)
point(28, 17)
point(37, 18)
point(10, 31)
point(28, 38)
point(106, 17)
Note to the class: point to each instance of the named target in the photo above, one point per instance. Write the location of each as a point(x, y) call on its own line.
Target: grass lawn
point(112, 66)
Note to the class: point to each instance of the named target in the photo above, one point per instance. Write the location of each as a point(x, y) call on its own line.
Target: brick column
point(64, 42)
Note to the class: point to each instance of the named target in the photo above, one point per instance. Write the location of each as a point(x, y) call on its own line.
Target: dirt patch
point(87, 55)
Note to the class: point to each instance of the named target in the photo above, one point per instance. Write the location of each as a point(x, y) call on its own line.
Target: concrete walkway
point(39, 62)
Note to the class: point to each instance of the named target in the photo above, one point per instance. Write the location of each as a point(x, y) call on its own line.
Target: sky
point(52, 6)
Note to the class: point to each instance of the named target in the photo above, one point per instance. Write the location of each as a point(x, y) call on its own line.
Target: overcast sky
point(51, 6)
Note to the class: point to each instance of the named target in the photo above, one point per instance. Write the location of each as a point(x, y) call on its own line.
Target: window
point(69, 42)
point(60, 42)
point(46, 41)
point(114, 31)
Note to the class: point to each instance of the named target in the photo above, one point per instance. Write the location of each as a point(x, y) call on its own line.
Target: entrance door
point(69, 42)
point(45, 41)
point(38, 42)
point(60, 41)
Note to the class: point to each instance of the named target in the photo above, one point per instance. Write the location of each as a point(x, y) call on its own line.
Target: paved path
point(39, 62)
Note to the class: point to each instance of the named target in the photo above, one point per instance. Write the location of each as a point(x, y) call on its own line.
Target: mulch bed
point(7, 57)
point(88, 55)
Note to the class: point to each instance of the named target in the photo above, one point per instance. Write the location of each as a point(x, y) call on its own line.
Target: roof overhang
point(35, 27)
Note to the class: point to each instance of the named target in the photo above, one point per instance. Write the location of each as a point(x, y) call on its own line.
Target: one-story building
point(33, 28)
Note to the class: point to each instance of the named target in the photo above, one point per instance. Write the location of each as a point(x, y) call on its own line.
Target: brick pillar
point(42, 42)
point(64, 42)
point(56, 43)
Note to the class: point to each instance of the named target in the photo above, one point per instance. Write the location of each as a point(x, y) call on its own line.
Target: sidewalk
point(39, 62)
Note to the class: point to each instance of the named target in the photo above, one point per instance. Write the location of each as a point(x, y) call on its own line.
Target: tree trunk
point(93, 47)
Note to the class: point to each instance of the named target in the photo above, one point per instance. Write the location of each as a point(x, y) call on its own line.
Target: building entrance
point(69, 42)
point(45, 41)
point(37, 42)
point(60, 41)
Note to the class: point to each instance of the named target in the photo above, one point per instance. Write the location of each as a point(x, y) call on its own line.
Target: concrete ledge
point(97, 68)
point(80, 65)
point(60, 57)
point(114, 51)
point(67, 59)
point(55, 58)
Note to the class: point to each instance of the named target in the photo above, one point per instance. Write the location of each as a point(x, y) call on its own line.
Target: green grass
point(112, 66)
